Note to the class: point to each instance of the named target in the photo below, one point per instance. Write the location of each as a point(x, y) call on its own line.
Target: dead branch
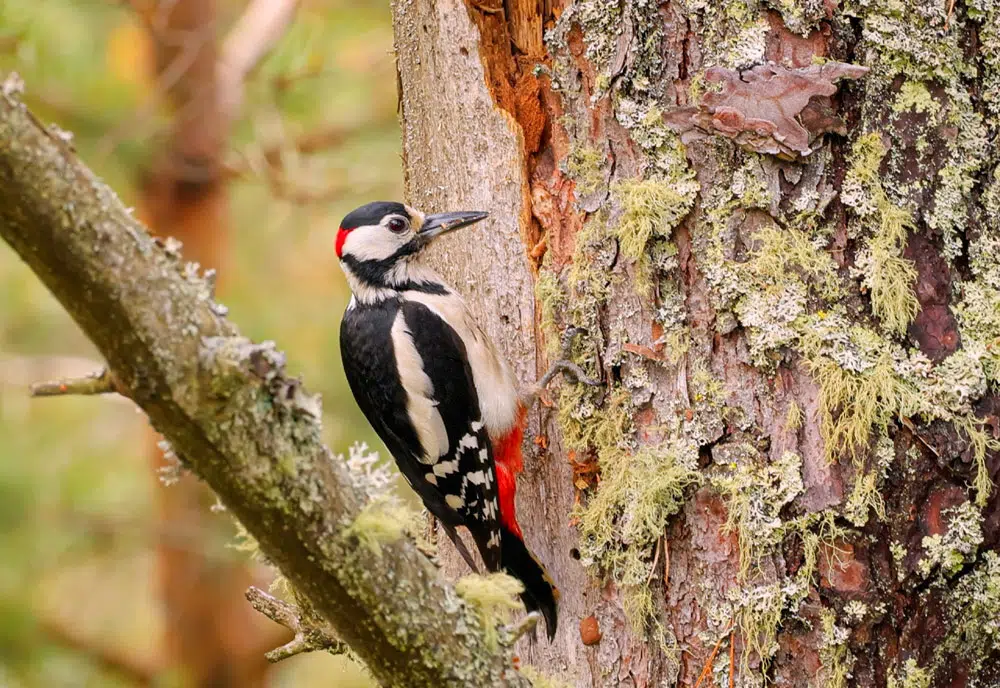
point(261, 26)
point(311, 634)
point(227, 406)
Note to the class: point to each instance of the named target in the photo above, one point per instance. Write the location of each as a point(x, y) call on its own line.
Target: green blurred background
point(79, 521)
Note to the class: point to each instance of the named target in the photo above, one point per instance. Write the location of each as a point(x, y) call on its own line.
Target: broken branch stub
point(768, 109)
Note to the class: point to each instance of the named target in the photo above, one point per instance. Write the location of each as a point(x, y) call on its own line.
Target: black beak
point(436, 225)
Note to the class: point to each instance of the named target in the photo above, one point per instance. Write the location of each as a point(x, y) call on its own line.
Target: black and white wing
point(409, 374)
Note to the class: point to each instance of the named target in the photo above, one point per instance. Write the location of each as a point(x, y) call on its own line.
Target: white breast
point(495, 383)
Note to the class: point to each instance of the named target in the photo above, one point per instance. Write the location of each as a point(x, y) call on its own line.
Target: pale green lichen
point(733, 33)
point(755, 494)
point(493, 597)
point(880, 265)
point(913, 95)
point(381, 522)
point(836, 660)
point(852, 404)
point(950, 551)
point(974, 614)
point(908, 38)
point(866, 494)
point(621, 524)
point(759, 611)
point(539, 679)
point(793, 416)
point(650, 208)
point(910, 675)
point(855, 611)
point(584, 164)
point(551, 299)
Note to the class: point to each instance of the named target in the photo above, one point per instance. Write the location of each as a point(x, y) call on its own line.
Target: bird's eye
point(397, 225)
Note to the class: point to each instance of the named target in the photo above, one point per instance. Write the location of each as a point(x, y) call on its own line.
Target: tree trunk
point(790, 286)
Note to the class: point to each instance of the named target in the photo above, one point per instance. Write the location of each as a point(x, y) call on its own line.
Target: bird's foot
point(565, 366)
point(515, 632)
point(427, 542)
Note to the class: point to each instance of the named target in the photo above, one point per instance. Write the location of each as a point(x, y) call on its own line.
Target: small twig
point(656, 559)
point(707, 669)
point(102, 382)
point(310, 634)
point(947, 20)
point(525, 625)
point(666, 563)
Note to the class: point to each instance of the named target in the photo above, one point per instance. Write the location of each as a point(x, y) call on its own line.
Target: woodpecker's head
point(377, 245)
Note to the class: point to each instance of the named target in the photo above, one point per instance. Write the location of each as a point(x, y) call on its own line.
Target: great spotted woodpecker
point(436, 391)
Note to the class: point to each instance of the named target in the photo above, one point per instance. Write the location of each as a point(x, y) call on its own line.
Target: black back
point(370, 363)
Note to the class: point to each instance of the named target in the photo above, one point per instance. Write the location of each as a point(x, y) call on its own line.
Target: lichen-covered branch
point(231, 413)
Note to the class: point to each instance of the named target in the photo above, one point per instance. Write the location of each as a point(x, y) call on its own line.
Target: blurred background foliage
point(79, 601)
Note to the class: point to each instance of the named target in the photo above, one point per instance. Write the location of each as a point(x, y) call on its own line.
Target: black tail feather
point(540, 593)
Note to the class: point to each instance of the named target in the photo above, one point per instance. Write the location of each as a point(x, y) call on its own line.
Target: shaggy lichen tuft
point(494, 597)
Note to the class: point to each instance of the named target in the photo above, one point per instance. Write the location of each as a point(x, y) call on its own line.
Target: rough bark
point(791, 294)
point(233, 417)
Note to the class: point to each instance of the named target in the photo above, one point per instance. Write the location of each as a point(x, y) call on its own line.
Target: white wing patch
point(420, 403)
point(494, 380)
point(445, 468)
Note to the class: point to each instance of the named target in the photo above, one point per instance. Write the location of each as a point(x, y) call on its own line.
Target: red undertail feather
point(507, 455)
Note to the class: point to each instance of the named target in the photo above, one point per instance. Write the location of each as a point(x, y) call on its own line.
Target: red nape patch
point(507, 456)
point(341, 238)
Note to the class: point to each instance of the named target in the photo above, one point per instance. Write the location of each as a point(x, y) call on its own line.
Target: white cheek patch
point(373, 242)
point(417, 218)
